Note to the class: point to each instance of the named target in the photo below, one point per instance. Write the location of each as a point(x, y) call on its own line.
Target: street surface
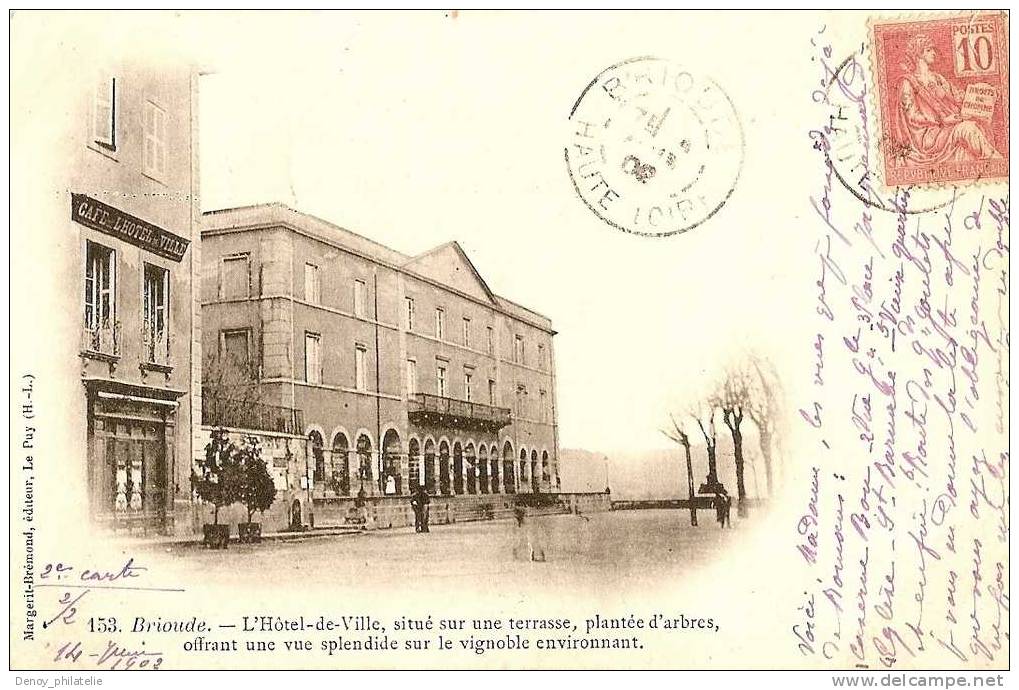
point(581, 553)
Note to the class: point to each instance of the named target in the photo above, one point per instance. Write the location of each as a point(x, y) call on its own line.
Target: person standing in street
point(419, 502)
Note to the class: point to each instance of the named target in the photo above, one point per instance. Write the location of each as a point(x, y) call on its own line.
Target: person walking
point(720, 508)
point(361, 506)
point(529, 542)
point(419, 502)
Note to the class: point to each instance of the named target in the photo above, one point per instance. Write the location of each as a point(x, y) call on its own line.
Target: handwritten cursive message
point(75, 588)
point(903, 543)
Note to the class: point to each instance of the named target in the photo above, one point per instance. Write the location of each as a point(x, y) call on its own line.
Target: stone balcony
point(433, 410)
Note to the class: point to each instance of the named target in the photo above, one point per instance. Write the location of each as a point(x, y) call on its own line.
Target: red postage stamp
point(942, 86)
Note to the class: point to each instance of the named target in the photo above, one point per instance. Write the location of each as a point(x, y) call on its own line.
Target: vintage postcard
point(511, 340)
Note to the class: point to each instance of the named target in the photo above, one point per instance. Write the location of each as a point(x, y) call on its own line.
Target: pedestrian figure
point(390, 485)
point(419, 502)
point(726, 521)
point(720, 507)
point(361, 504)
point(575, 507)
point(529, 546)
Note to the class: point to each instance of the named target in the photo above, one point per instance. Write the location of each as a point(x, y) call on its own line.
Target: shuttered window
point(104, 112)
point(154, 141)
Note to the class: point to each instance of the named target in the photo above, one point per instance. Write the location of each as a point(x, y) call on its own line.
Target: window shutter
point(106, 266)
point(161, 142)
point(90, 292)
point(102, 123)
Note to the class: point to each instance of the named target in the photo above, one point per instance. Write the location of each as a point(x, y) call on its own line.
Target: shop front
point(131, 455)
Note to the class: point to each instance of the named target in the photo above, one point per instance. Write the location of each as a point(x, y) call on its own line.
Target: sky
point(418, 129)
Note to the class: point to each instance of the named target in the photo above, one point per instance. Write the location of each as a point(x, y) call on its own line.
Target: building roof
point(446, 265)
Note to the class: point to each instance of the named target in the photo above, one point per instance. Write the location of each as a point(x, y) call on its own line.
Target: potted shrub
point(219, 484)
point(257, 491)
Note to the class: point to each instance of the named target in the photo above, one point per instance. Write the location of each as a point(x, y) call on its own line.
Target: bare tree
point(231, 390)
point(749, 390)
point(734, 402)
point(765, 409)
point(678, 435)
point(704, 414)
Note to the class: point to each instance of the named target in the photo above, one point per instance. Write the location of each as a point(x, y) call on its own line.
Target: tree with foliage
point(220, 474)
point(257, 491)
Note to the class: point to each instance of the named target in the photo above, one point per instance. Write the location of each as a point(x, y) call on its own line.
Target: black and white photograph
point(510, 340)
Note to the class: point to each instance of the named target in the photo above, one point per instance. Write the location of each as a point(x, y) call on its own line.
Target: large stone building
point(132, 216)
point(408, 369)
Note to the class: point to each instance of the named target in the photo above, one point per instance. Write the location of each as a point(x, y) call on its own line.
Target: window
point(410, 313)
point(491, 392)
point(412, 377)
point(100, 298)
point(440, 323)
point(518, 349)
point(360, 308)
point(467, 332)
point(491, 340)
point(521, 395)
point(541, 409)
point(360, 355)
point(234, 283)
point(468, 385)
point(320, 457)
point(155, 298)
point(541, 357)
point(440, 380)
point(154, 137)
point(235, 349)
point(312, 358)
point(312, 287)
point(104, 113)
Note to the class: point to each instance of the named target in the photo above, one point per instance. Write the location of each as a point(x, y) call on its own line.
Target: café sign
point(106, 219)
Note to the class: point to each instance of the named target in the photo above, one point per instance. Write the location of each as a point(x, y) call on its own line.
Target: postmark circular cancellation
point(655, 149)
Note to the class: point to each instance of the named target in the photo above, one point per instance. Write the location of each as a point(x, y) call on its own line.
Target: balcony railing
point(246, 414)
point(101, 339)
point(458, 414)
point(156, 347)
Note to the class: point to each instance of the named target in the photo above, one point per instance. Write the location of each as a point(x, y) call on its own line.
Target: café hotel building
point(408, 370)
point(131, 213)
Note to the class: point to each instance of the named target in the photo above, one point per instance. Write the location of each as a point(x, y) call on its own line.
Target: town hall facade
point(408, 370)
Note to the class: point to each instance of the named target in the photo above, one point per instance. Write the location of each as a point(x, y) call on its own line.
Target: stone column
point(404, 487)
